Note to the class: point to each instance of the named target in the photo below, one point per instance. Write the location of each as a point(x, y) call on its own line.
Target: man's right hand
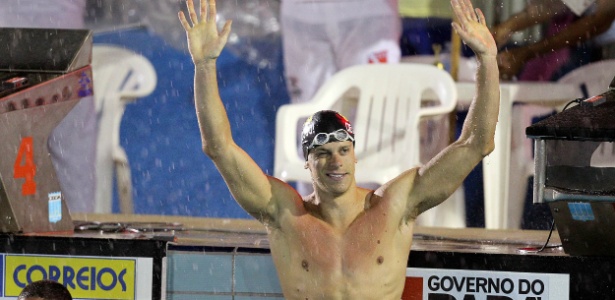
point(471, 26)
point(204, 41)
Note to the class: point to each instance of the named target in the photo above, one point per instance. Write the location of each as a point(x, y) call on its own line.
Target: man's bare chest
point(367, 241)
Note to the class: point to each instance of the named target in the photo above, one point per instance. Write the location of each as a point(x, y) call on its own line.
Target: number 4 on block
point(24, 166)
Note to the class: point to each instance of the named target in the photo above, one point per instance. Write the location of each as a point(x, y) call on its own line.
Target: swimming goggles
point(322, 138)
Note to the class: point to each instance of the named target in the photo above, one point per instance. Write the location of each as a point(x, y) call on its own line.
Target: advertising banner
point(85, 277)
point(446, 284)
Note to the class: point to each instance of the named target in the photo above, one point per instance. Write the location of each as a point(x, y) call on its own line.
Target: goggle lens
point(341, 135)
point(323, 138)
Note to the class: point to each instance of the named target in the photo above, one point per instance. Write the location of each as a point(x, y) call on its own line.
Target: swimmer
point(342, 241)
point(45, 290)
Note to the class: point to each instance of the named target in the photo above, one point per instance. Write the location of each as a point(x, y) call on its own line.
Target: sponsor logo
point(55, 207)
point(441, 284)
point(581, 211)
point(85, 278)
point(379, 57)
point(85, 85)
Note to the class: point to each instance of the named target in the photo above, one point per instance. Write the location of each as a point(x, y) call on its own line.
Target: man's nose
point(336, 160)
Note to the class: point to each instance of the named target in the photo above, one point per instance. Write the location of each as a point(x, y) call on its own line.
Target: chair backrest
point(594, 79)
point(466, 69)
point(120, 76)
point(385, 123)
point(121, 73)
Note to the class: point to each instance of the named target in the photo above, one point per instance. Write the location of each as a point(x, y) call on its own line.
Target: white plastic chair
point(120, 76)
point(604, 156)
point(595, 76)
point(467, 66)
point(592, 79)
point(386, 124)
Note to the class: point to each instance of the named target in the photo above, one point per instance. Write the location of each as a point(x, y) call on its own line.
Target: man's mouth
point(336, 176)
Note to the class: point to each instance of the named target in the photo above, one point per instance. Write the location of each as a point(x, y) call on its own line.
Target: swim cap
point(324, 127)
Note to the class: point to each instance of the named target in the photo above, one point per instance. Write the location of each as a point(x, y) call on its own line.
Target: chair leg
point(124, 183)
point(521, 169)
point(604, 156)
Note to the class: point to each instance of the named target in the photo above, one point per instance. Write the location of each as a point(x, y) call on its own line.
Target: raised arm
point(250, 187)
point(439, 178)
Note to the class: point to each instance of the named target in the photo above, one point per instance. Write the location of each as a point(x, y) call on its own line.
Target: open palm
point(204, 41)
point(471, 26)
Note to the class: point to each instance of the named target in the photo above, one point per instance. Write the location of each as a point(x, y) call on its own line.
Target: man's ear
point(305, 166)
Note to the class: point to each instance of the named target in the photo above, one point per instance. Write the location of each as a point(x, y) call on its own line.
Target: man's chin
point(336, 188)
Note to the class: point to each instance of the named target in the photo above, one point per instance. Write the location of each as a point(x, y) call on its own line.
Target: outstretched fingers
point(464, 12)
point(481, 17)
point(461, 31)
point(207, 11)
point(211, 10)
point(458, 10)
point(183, 20)
point(193, 17)
point(203, 10)
point(461, 17)
point(191, 13)
point(471, 26)
point(226, 30)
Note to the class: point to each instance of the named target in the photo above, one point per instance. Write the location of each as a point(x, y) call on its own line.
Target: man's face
point(332, 166)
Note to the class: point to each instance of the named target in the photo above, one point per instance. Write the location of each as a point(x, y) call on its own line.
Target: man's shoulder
point(404, 181)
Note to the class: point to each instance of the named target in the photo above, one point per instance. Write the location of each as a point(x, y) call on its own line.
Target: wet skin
point(363, 259)
point(342, 242)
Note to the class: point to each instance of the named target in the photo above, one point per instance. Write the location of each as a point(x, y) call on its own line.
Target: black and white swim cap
point(324, 127)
